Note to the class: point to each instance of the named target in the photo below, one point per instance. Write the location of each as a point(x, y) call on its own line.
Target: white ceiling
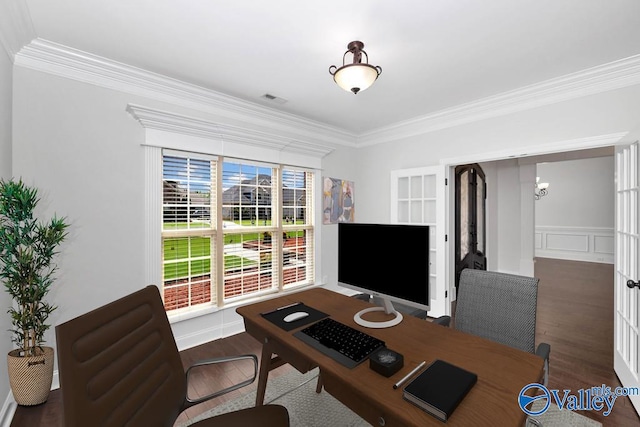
point(435, 54)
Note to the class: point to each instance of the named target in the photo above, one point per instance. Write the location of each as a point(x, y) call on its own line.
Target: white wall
point(78, 145)
point(508, 217)
point(504, 216)
point(341, 164)
point(5, 173)
point(581, 193)
point(6, 67)
point(576, 219)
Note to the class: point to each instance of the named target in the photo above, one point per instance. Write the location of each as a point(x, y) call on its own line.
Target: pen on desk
point(287, 306)
point(409, 375)
point(281, 308)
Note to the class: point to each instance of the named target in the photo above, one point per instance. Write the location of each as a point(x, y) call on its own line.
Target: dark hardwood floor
point(575, 316)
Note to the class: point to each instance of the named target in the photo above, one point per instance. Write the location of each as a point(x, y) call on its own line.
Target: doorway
point(494, 169)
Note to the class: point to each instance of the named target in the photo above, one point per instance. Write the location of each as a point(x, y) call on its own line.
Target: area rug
point(297, 392)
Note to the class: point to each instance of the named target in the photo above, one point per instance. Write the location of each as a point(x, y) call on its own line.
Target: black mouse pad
point(277, 316)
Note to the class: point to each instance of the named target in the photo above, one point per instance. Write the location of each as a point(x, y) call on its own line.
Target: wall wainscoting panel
point(575, 243)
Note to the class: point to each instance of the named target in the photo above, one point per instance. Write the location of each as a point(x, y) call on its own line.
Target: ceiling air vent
point(273, 98)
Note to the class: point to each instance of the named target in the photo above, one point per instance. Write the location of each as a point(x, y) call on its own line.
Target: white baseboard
point(10, 405)
point(8, 409)
point(206, 335)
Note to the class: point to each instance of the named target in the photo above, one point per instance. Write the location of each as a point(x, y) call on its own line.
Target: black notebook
point(439, 389)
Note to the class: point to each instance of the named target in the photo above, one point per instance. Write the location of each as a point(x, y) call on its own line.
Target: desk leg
point(267, 363)
point(265, 367)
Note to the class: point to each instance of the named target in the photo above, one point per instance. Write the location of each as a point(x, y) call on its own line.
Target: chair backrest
point(119, 365)
point(498, 306)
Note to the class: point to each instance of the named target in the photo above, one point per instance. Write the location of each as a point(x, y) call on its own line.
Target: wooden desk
point(502, 371)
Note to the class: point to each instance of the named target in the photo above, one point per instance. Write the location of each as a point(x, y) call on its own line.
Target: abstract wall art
point(338, 201)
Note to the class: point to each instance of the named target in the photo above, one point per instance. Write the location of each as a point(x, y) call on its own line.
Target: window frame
point(218, 233)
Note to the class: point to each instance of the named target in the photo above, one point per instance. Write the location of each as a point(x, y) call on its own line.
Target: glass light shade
point(355, 77)
point(541, 185)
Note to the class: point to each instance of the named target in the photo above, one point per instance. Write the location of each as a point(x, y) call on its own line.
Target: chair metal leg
point(319, 384)
point(533, 422)
point(546, 373)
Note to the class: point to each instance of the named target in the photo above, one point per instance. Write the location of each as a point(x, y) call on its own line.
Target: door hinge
point(446, 294)
point(446, 181)
point(446, 237)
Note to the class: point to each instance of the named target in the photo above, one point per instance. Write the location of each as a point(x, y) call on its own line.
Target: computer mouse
point(295, 316)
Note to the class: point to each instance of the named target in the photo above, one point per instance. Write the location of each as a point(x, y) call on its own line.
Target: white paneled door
point(627, 275)
point(418, 197)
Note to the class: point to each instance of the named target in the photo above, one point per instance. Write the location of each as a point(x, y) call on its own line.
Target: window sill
point(192, 313)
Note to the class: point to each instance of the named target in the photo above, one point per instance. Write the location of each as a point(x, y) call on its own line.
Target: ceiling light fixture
point(357, 76)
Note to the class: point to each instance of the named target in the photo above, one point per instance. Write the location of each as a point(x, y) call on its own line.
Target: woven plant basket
point(30, 377)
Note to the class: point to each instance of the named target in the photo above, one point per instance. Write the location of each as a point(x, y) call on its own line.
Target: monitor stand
point(387, 308)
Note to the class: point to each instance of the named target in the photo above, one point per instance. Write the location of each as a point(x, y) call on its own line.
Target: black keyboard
point(343, 343)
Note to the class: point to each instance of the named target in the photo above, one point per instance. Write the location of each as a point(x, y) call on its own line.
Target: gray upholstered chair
point(500, 307)
point(119, 366)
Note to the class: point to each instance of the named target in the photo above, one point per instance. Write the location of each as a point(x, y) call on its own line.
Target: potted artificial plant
point(27, 249)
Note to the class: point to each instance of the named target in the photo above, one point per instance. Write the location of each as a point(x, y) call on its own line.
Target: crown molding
point(606, 77)
point(526, 155)
point(16, 28)
point(61, 60)
point(53, 58)
point(151, 118)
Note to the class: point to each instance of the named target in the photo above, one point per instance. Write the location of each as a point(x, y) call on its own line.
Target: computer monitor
point(388, 261)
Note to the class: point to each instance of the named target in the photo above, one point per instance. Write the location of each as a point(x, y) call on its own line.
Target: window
point(232, 229)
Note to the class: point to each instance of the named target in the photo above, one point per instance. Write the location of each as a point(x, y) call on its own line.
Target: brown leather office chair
point(119, 366)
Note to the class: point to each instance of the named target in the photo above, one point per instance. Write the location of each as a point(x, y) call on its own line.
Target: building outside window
point(233, 229)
